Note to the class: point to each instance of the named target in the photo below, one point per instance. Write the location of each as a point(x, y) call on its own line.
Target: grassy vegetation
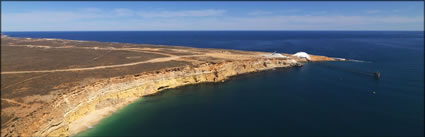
point(15, 56)
point(25, 58)
point(44, 83)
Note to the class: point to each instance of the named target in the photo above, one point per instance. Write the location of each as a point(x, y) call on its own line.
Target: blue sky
point(92, 16)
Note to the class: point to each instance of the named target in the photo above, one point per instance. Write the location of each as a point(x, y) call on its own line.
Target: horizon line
point(192, 30)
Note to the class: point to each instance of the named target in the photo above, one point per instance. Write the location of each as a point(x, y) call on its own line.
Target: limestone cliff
point(63, 117)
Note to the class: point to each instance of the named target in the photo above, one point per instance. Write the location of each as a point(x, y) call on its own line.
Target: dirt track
point(145, 50)
point(100, 67)
point(172, 57)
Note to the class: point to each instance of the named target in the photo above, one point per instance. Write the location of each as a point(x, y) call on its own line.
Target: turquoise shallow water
point(328, 98)
point(277, 102)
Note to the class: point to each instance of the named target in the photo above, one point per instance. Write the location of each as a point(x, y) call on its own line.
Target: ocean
point(321, 99)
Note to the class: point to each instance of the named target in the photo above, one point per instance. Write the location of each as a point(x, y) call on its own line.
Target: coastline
point(93, 117)
point(74, 110)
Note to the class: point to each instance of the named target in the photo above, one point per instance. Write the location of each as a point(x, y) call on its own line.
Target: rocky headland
point(55, 87)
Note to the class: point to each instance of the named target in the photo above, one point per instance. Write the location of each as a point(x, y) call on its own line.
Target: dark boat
point(377, 74)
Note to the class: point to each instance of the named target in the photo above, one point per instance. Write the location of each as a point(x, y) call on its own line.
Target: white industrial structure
point(302, 55)
point(274, 55)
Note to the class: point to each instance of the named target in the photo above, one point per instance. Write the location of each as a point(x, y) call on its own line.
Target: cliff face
point(67, 113)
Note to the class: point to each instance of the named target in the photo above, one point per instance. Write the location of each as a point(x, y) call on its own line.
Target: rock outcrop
point(63, 117)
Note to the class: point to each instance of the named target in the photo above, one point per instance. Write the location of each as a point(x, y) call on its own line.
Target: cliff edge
point(56, 87)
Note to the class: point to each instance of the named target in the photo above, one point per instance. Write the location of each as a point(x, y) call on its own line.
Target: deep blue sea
point(324, 99)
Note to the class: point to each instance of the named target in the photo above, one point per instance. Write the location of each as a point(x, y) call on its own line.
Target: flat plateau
point(56, 87)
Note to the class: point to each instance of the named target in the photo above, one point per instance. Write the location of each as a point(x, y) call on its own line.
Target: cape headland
point(56, 87)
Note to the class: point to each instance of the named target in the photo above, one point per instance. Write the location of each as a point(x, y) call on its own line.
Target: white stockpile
point(274, 55)
point(302, 55)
